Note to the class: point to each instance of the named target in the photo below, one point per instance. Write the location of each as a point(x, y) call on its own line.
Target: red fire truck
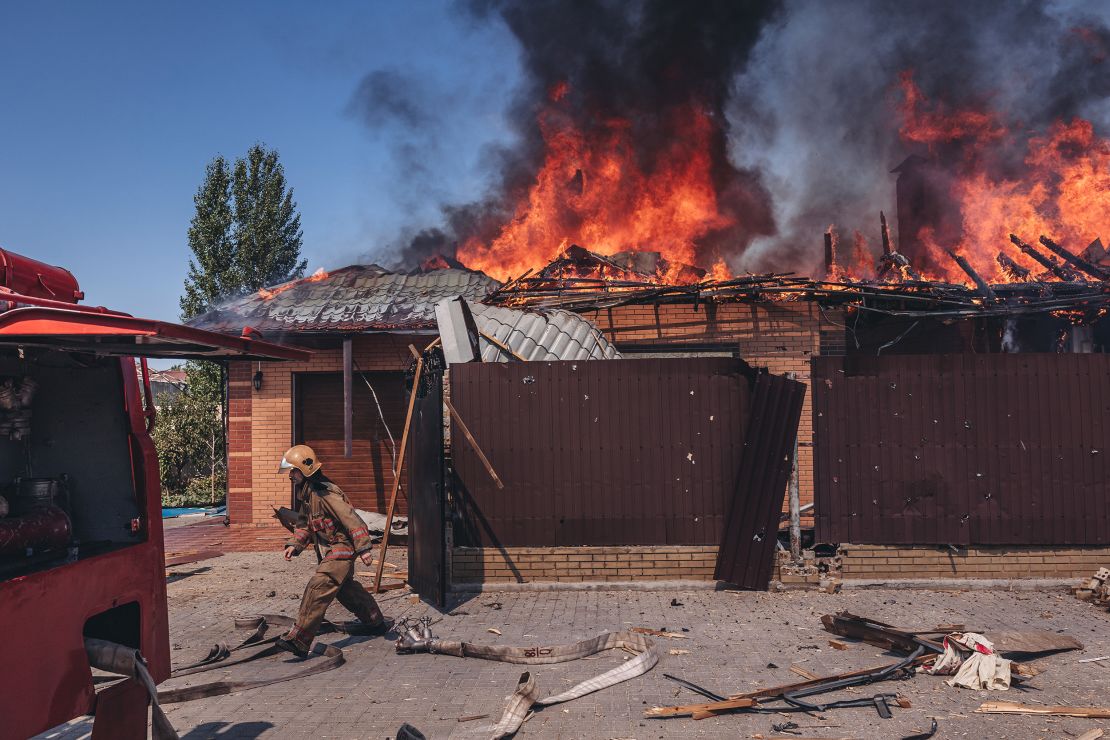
point(81, 552)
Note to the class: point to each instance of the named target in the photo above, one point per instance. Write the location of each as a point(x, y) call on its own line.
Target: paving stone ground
point(737, 642)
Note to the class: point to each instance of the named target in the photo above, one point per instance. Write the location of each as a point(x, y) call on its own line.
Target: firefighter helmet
point(302, 458)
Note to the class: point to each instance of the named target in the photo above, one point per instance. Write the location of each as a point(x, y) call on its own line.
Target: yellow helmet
point(302, 458)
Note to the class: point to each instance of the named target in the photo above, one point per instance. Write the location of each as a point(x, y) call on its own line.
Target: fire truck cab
point(81, 551)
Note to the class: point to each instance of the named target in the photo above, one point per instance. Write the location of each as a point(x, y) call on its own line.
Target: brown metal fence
point(615, 452)
point(963, 449)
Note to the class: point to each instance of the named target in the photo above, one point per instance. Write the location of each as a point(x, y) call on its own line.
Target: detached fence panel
point(1004, 449)
point(607, 452)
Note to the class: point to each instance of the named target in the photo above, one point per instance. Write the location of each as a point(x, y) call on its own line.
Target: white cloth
point(972, 662)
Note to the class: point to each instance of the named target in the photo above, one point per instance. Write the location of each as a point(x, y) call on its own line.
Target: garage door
point(366, 476)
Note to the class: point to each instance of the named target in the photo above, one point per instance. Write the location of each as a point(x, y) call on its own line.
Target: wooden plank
point(400, 463)
point(1009, 707)
point(473, 442)
point(803, 672)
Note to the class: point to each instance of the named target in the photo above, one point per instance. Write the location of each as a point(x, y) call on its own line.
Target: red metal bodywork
point(42, 614)
point(33, 278)
point(47, 679)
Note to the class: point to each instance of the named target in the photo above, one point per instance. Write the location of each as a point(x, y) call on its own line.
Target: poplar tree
point(245, 234)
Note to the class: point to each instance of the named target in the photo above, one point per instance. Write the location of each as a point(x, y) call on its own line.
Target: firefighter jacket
point(329, 521)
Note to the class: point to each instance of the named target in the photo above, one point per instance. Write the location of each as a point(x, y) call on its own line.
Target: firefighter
point(330, 524)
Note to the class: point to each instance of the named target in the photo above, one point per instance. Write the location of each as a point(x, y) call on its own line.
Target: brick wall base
point(880, 562)
point(580, 564)
point(473, 565)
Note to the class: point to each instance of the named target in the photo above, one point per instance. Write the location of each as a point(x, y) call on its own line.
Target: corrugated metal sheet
point(540, 335)
point(598, 453)
point(747, 552)
point(963, 449)
point(355, 298)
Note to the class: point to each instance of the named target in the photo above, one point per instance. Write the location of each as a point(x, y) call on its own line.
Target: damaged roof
point(355, 298)
point(540, 335)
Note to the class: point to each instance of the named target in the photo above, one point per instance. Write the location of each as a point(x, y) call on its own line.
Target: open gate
point(424, 459)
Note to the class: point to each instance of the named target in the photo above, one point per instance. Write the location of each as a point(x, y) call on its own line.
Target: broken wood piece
point(803, 672)
point(473, 442)
point(773, 692)
point(494, 630)
point(980, 283)
point(677, 651)
point(879, 634)
point(838, 645)
point(471, 718)
point(659, 633)
point(1095, 660)
point(1012, 269)
point(1009, 707)
point(501, 346)
point(1051, 265)
point(691, 709)
point(1031, 641)
point(1075, 260)
point(1094, 734)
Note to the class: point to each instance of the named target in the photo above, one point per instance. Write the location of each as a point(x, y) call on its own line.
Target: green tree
point(189, 438)
point(244, 235)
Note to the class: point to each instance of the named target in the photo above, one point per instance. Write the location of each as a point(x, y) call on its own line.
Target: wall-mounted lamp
point(258, 378)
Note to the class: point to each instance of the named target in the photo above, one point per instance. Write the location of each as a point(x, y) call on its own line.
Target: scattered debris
point(494, 630)
point(1008, 707)
point(838, 645)
point(1095, 589)
point(1095, 660)
point(1094, 734)
point(659, 633)
point(972, 662)
point(677, 651)
point(676, 602)
point(803, 672)
point(471, 718)
point(495, 605)
point(924, 735)
point(416, 637)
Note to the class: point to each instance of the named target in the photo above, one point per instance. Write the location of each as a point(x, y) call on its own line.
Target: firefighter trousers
point(333, 579)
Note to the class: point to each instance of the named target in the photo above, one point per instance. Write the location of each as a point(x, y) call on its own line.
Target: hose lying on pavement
point(218, 658)
point(416, 637)
point(127, 661)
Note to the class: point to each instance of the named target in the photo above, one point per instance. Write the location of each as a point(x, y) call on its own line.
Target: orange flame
point(593, 191)
point(268, 293)
point(1062, 191)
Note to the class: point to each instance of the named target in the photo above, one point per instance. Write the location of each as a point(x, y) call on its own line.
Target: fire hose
point(125, 661)
point(416, 637)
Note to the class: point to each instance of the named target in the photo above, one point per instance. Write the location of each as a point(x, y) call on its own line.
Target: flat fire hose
point(416, 637)
point(217, 658)
point(126, 661)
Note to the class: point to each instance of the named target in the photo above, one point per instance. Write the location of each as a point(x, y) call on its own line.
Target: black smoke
point(816, 109)
point(637, 61)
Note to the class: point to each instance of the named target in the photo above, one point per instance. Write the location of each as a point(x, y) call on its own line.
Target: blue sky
point(109, 112)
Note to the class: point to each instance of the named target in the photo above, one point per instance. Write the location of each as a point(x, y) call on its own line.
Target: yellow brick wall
point(868, 562)
point(579, 564)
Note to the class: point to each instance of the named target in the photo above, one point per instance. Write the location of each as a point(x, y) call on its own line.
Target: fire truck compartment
point(80, 440)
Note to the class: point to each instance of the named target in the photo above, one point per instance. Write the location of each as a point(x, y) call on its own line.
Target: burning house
point(630, 202)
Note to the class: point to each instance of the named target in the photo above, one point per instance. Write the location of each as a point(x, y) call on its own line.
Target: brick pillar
point(239, 484)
